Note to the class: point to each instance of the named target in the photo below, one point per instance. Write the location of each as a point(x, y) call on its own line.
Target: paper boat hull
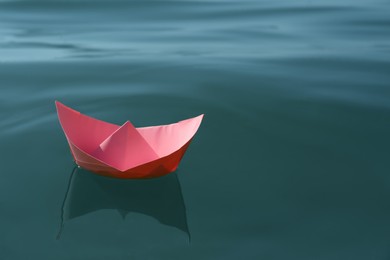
point(125, 151)
point(153, 169)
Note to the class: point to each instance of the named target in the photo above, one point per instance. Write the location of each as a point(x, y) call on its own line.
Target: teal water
point(291, 160)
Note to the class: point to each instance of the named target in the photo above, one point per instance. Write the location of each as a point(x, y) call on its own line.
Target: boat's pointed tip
point(58, 103)
point(194, 119)
point(127, 123)
point(200, 117)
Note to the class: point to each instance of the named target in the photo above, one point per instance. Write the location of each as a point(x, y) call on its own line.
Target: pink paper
point(125, 151)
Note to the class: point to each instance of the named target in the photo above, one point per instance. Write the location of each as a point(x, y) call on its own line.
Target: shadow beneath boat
point(160, 198)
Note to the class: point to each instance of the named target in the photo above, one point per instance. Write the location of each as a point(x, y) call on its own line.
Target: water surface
point(291, 161)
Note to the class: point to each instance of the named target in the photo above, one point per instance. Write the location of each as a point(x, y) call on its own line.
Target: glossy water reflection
point(160, 198)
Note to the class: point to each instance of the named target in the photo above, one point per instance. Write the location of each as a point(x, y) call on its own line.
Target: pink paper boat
point(125, 151)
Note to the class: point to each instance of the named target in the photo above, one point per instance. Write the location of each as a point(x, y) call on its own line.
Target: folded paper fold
point(125, 151)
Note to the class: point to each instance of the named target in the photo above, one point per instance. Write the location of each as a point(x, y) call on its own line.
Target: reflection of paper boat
point(159, 198)
point(125, 151)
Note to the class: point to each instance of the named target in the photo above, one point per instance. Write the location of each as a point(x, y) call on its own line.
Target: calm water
point(291, 162)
